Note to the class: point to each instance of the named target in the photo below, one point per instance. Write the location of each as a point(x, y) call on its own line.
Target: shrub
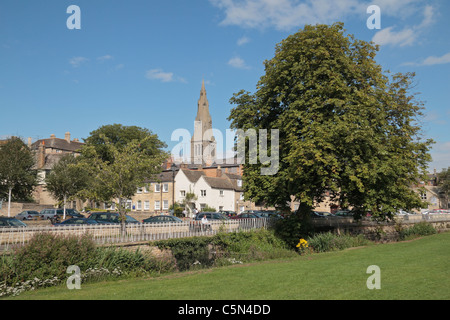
point(291, 229)
point(327, 241)
point(417, 230)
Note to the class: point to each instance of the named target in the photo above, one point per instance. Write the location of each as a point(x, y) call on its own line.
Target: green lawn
point(418, 269)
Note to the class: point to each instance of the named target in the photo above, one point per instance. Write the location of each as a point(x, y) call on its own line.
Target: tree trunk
point(64, 214)
point(9, 201)
point(122, 218)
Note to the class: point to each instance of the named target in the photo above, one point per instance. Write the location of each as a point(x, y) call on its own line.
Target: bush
point(44, 260)
point(225, 248)
point(327, 241)
point(417, 230)
point(291, 229)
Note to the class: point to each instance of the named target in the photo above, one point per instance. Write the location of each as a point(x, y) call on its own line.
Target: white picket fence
point(111, 233)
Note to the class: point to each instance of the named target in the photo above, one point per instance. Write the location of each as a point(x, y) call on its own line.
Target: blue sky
point(142, 62)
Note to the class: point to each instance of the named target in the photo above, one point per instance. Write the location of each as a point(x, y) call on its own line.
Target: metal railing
point(112, 233)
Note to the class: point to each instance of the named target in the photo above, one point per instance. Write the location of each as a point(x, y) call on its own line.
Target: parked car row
point(48, 214)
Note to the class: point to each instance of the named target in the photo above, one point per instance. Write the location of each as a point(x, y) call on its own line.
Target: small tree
point(66, 180)
point(444, 186)
point(17, 173)
point(118, 177)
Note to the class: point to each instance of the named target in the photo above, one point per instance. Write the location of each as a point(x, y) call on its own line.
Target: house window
point(165, 187)
point(146, 205)
point(146, 188)
point(221, 193)
point(157, 205)
point(203, 193)
point(165, 204)
point(241, 196)
point(220, 208)
point(239, 183)
point(423, 195)
point(139, 205)
point(182, 193)
point(157, 187)
point(202, 206)
point(139, 190)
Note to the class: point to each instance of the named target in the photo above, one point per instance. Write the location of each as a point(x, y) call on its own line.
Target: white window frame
point(157, 205)
point(165, 204)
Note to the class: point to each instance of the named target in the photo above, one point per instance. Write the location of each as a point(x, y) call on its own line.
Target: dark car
point(270, 214)
point(210, 216)
point(28, 215)
point(110, 218)
point(76, 221)
point(246, 216)
point(162, 219)
point(71, 213)
point(9, 222)
point(228, 213)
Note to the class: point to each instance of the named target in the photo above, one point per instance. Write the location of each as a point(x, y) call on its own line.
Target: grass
point(417, 269)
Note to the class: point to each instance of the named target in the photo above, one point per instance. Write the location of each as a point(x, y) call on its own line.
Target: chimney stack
point(67, 137)
point(52, 136)
point(218, 172)
point(41, 155)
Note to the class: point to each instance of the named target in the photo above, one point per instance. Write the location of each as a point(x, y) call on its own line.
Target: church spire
point(203, 143)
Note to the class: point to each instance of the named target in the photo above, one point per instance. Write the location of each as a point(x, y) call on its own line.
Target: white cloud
point(105, 57)
point(430, 61)
point(286, 14)
point(437, 60)
point(401, 38)
point(237, 62)
point(408, 35)
point(159, 74)
point(77, 61)
point(242, 41)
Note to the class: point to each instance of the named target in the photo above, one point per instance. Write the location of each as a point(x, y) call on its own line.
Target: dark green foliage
point(225, 248)
point(346, 128)
point(417, 230)
point(328, 241)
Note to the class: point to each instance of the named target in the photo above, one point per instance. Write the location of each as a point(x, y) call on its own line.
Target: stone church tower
point(203, 143)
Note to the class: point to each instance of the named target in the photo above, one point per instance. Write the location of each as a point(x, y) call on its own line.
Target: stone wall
point(18, 207)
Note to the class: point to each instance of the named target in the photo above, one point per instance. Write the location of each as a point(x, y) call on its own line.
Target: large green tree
point(345, 126)
point(18, 176)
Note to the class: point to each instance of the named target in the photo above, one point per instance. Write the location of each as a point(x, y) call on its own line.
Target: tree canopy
point(17, 173)
point(120, 135)
point(346, 128)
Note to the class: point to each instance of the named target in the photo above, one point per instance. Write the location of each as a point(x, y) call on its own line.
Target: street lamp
point(173, 167)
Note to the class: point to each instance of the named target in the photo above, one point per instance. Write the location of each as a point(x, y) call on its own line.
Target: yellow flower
point(302, 243)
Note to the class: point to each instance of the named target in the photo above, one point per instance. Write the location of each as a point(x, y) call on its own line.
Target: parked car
point(28, 215)
point(270, 214)
point(162, 219)
point(110, 218)
point(58, 214)
point(10, 222)
point(210, 216)
point(197, 224)
point(246, 216)
point(76, 221)
point(343, 213)
point(319, 214)
point(257, 212)
point(227, 213)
